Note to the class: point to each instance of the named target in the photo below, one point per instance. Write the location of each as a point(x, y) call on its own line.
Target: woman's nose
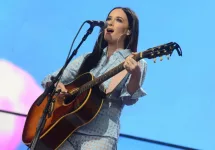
point(110, 22)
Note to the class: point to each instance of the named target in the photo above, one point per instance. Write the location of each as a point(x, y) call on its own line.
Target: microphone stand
point(49, 91)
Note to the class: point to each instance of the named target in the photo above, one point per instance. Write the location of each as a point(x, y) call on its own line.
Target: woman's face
point(117, 26)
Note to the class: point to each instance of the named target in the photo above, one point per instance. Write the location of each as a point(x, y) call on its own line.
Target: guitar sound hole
point(69, 99)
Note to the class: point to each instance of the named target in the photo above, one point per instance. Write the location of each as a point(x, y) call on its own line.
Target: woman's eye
point(119, 20)
point(108, 19)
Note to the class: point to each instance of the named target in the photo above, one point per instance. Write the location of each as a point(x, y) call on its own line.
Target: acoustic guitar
point(80, 105)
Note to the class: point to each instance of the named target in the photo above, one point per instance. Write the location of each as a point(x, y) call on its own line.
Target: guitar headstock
point(161, 50)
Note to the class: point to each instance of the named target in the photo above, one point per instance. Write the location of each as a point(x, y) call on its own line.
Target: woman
point(114, 45)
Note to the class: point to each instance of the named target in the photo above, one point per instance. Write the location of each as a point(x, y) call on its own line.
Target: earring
point(128, 32)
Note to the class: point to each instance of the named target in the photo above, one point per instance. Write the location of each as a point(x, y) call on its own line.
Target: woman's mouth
point(109, 30)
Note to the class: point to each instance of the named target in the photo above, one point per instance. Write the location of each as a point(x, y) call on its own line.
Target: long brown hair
point(131, 41)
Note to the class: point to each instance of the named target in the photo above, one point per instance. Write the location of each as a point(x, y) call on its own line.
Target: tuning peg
point(161, 58)
point(168, 57)
point(154, 60)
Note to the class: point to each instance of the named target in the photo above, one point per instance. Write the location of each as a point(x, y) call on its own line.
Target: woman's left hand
point(132, 66)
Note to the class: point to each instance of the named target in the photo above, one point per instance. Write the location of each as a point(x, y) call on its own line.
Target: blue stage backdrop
point(35, 37)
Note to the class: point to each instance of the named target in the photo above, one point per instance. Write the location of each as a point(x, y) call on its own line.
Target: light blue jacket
point(107, 122)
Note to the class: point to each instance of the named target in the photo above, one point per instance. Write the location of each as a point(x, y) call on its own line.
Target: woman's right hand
point(60, 86)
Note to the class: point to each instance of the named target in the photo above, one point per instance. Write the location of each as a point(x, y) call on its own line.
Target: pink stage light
point(18, 90)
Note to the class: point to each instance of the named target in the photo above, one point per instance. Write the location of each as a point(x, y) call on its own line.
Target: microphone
point(101, 24)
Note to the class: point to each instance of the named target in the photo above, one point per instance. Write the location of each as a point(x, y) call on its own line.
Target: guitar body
point(65, 118)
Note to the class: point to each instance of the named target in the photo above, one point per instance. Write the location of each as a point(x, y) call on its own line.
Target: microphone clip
point(101, 24)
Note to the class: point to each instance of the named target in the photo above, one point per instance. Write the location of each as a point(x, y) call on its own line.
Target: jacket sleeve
point(69, 73)
point(129, 99)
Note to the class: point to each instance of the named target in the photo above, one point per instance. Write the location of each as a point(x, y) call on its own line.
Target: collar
point(123, 52)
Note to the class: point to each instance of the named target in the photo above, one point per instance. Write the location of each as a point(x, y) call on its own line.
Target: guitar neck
point(108, 74)
point(158, 51)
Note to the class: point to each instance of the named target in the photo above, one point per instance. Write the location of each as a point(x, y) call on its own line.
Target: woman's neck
point(112, 48)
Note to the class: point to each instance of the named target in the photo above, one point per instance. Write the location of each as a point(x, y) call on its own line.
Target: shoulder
point(84, 55)
point(81, 57)
point(143, 64)
point(143, 61)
